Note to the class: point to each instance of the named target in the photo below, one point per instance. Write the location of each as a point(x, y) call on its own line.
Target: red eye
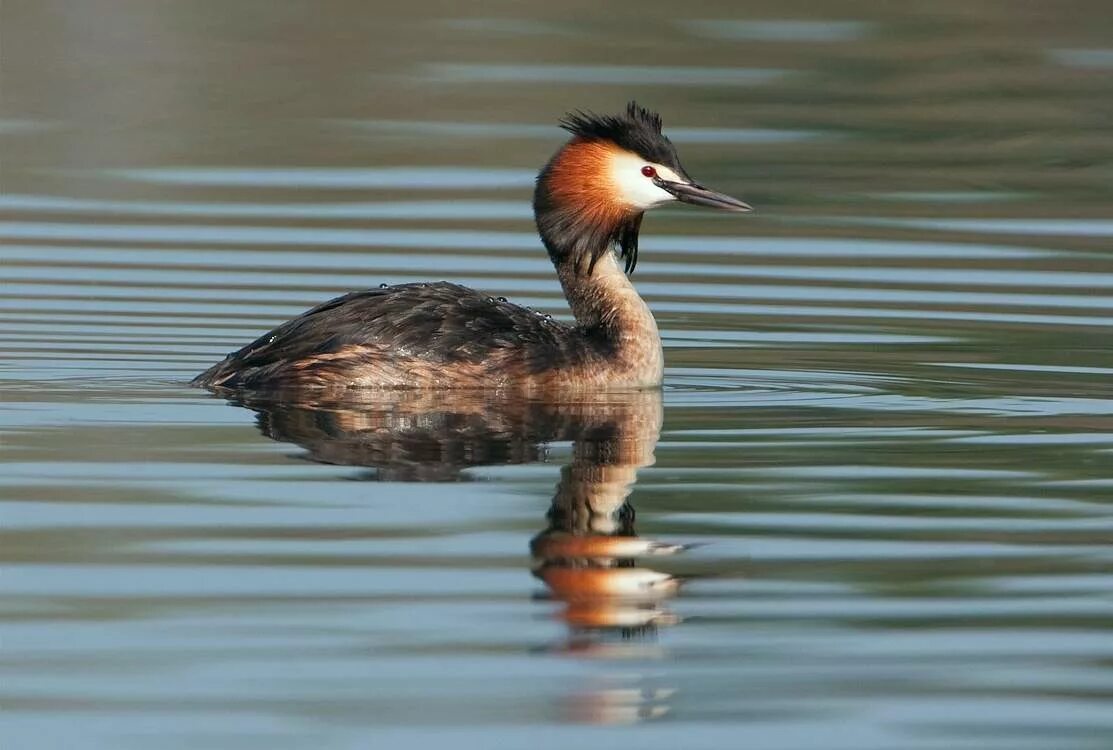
point(649, 171)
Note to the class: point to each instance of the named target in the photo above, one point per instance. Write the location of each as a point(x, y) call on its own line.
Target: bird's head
point(593, 192)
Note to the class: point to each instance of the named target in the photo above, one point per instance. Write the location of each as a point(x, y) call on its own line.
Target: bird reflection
point(589, 556)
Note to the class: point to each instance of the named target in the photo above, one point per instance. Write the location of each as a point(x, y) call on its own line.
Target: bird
point(588, 203)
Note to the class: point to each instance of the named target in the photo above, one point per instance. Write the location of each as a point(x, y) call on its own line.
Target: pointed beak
point(698, 195)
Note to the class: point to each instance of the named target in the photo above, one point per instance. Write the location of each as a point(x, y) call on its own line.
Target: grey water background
point(887, 421)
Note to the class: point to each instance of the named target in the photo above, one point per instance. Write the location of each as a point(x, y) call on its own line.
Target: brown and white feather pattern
point(428, 335)
point(589, 200)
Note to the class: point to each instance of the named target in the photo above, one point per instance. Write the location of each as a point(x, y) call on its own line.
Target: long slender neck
point(614, 318)
point(604, 299)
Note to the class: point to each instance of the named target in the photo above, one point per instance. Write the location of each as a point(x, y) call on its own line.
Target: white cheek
point(636, 189)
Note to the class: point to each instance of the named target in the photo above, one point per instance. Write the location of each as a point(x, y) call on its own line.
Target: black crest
point(637, 130)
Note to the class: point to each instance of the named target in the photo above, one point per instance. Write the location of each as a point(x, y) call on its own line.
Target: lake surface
point(872, 506)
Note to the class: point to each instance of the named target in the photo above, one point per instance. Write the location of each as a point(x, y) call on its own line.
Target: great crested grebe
point(588, 202)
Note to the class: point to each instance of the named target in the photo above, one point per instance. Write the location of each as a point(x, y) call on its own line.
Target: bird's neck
point(604, 297)
point(610, 310)
point(579, 244)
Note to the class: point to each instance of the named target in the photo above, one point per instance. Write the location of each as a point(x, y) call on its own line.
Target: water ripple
point(345, 178)
point(619, 75)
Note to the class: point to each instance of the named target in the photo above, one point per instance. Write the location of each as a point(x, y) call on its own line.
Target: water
point(871, 507)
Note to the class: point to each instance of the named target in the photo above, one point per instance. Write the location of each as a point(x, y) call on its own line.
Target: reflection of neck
point(591, 497)
point(595, 484)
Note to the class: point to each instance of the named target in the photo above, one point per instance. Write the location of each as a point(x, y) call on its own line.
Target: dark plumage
point(589, 199)
point(428, 327)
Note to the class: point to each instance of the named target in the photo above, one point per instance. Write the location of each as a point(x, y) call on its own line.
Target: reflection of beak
point(698, 195)
point(550, 546)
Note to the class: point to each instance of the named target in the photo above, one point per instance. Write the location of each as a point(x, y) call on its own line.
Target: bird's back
point(407, 335)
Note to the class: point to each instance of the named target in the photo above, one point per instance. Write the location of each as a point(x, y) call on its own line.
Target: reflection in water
point(589, 554)
point(778, 31)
